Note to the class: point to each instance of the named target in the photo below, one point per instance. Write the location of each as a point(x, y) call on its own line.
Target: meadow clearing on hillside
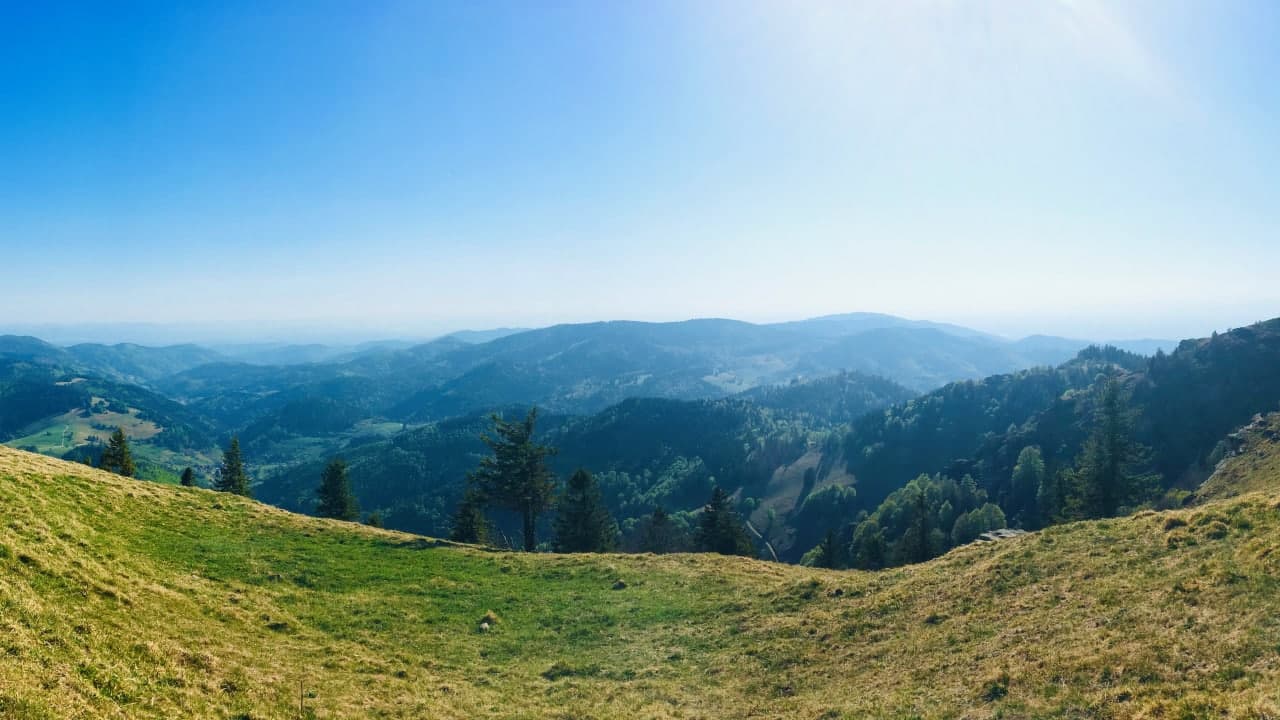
point(121, 598)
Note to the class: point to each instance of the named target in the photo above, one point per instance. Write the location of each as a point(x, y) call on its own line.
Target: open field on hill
point(73, 429)
point(121, 598)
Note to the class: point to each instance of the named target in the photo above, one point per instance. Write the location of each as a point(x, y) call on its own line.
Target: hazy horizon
point(292, 171)
point(327, 333)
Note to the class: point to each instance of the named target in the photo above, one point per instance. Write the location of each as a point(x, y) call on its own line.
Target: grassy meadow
point(122, 599)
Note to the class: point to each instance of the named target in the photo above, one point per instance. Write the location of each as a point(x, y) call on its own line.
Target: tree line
point(933, 513)
point(517, 477)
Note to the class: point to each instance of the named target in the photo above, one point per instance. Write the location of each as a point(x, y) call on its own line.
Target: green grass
point(121, 598)
point(63, 433)
point(1254, 467)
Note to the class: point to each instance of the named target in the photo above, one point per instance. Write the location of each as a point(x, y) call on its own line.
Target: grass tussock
point(124, 599)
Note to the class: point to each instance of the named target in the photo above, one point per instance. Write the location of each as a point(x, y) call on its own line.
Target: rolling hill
point(648, 451)
point(124, 362)
point(125, 599)
point(584, 368)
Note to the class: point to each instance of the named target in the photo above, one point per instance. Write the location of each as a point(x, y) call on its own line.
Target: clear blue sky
point(1075, 167)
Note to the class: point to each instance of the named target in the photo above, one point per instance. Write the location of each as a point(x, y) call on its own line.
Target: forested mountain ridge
point(927, 433)
point(573, 369)
point(648, 452)
point(410, 449)
point(584, 368)
point(921, 465)
point(124, 362)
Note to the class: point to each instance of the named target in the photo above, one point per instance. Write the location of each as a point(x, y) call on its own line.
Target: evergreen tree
point(868, 549)
point(1051, 498)
point(335, 499)
point(117, 458)
point(469, 524)
point(188, 478)
point(659, 534)
point(516, 475)
point(1107, 475)
point(720, 529)
point(374, 519)
point(1028, 476)
point(917, 544)
point(231, 475)
point(583, 523)
point(828, 554)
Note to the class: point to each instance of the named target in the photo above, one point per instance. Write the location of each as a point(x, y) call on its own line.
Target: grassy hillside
point(121, 598)
point(1251, 461)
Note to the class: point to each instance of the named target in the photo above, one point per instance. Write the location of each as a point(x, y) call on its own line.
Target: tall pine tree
point(658, 533)
point(334, 497)
point(916, 544)
point(1108, 472)
point(720, 528)
point(583, 523)
point(117, 458)
point(516, 475)
point(188, 478)
point(469, 523)
point(231, 475)
point(828, 554)
point(1028, 476)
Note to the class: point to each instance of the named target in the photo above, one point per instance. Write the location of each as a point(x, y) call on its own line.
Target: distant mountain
point(475, 337)
point(23, 348)
point(123, 362)
point(293, 402)
point(266, 353)
point(280, 353)
point(859, 322)
point(584, 368)
point(926, 358)
point(139, 364)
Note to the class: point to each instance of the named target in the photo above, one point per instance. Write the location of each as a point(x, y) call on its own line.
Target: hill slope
point(1251, 461)
point(127, 599)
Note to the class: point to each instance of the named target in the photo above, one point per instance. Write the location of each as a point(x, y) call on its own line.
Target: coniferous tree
point(583, 523)
point(469, 524)
point(188, 478)
point(516, 475)
point(374, 519)
point(231, 475)
point(117, 458)
point(659, 534)
point(720, 528)
point(828, 554)
point(1028, 475)
point(1051, 498)
point(1107, 475)
point(916, 545)
point(334, 497)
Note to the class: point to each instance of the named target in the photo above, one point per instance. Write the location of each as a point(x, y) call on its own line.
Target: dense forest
point(836, 465)
point(1104, 434)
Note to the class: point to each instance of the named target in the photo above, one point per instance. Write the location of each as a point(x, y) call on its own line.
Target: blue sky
point(1082, 168)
